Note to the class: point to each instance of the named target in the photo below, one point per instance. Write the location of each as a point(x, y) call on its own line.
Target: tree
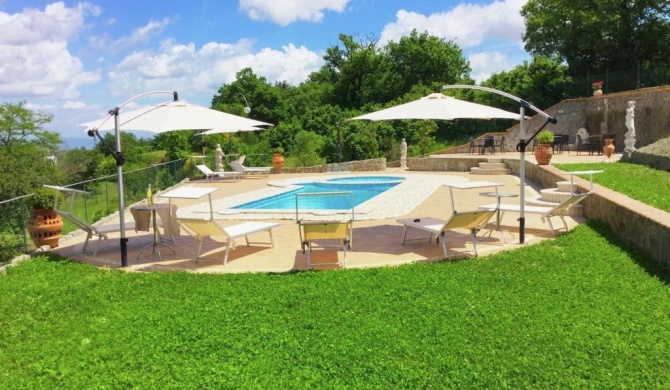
point(593, 36)
point(24, 151)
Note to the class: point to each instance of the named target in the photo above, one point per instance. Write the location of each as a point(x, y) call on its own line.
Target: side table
point(498, 196)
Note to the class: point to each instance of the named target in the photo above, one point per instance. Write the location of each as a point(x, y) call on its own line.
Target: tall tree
point(593, 36)
point(25, 148)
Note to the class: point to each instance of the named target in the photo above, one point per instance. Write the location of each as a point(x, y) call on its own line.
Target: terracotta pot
point(278, 160)
point(45, 227)
point(543, 153)
point(608, 149)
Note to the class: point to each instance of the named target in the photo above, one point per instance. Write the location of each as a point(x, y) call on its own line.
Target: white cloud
point(35, 60)
point(73, 105)
point(485, 64)
point(201, 72)
point(466, 24)
point(138, 36)
point(286, 12)
point(55, 23)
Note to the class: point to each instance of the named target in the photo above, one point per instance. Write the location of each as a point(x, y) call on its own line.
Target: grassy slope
point(581, 311)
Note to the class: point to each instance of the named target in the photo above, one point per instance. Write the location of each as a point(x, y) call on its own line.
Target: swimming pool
point(363, 188)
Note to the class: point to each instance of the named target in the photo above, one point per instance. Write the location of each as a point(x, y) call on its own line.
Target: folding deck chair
point(322, 233)
point(201, 229)
point(545, 212)
point(472, 220)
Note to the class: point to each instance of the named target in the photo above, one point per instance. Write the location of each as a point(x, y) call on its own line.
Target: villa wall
point(598, 115)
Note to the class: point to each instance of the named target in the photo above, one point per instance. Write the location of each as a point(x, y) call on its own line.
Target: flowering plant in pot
point(543, 150)
point(45, 224)
point(278, 157)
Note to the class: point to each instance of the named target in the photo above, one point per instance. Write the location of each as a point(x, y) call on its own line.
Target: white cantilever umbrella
point(437, 106)
point(176, 115)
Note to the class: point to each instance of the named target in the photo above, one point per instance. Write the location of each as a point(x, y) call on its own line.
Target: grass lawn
point(639, 182)
point(582, 311)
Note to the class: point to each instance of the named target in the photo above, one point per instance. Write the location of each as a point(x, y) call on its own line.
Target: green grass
point(639, 182)
point(582, 311)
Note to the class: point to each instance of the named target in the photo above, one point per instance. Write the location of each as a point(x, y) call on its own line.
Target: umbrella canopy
point(176, 115)
point(439, 106)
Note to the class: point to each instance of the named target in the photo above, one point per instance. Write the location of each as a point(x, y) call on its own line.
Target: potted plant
point(544, 150)
point(45, 224)
point(278, 157)
point(597, 88)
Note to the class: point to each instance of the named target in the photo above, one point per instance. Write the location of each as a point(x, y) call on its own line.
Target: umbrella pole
point(522, 176)
point(123, 241)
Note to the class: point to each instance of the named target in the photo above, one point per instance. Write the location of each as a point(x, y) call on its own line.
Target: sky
point(77, 60)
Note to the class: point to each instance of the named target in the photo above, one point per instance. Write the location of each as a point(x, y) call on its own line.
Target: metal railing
point(101, 202)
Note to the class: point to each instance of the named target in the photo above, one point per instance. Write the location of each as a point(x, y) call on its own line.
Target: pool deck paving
point(376, 242)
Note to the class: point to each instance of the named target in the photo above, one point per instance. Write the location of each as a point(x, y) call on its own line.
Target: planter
point(543, 153)
point(278, 160)
point(608, 149)
point(45, 227)
point(598, 92)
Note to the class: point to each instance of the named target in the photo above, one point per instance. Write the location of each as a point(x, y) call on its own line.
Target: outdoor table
point(499, 195)
point(191, 193)
point(157, 240)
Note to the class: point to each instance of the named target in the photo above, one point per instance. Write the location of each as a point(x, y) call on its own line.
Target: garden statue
point(403, 154)
point(630, 124)
point(219, 158)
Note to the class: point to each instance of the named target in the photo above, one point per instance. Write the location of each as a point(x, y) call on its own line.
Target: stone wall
point(598, 115)
point(377, 164)
point(647, 227)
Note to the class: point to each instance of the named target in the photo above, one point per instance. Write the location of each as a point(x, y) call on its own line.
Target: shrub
point(545, 137)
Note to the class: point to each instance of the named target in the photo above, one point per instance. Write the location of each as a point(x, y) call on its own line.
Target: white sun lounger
point(200, 229)
point(261, 171)
point(545, 212)
point(471, 220)
point(210, 175)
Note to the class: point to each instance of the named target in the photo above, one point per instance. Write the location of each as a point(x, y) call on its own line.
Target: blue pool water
point(363, 188)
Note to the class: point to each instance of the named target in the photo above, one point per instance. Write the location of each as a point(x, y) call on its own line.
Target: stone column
point(403, 154)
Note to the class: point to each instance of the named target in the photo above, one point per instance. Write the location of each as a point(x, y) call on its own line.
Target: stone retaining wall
point(645, 226)
point(377, 164)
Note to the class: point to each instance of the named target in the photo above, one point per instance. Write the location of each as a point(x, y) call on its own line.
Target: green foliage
point(528, 318)
point(594, 36)
point(77, 165)
point(545, 137)
point(44, 198)
point(25, 151)
point(305, 152)
point(625, 178)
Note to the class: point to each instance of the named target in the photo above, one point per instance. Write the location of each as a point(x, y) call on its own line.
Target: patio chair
point(336, 232)
point(201, 229)
point(545, 212)
point(260, 171)
point(473, 220)
point(500, 145)
point(582, 145)
point(489, 144)
point(210, 175)
point(475, 146)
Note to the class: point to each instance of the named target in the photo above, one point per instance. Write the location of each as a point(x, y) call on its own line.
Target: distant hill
point(76, 143)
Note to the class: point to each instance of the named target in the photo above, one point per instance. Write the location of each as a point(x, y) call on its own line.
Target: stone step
point(564, 186)
point(492, 165)
point(575, 211)
point(479, 171)
point(554, 195)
